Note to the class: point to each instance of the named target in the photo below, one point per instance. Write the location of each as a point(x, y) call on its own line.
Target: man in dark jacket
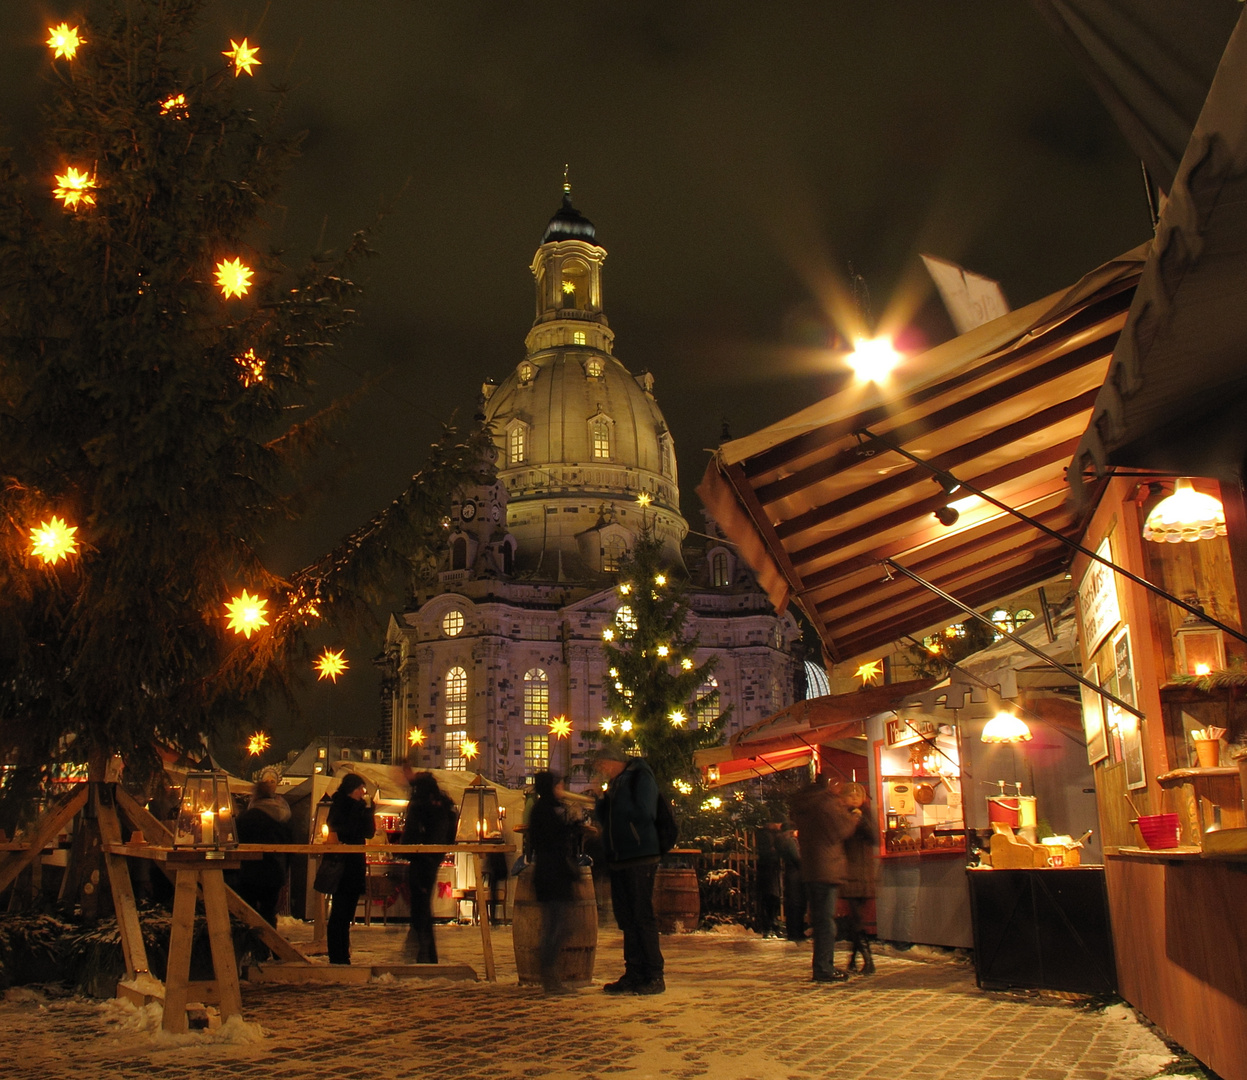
point(431, 819)
point(822, 823)
point(626, 813)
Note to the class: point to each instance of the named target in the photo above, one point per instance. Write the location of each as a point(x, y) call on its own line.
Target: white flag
point(971, 299)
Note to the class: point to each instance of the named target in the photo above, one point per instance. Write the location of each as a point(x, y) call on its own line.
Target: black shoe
point(868, 961)
point(625, 985)
point(651, 986)
point(835, 976)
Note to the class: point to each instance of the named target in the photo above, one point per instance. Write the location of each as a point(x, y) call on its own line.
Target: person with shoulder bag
point(353, 822)
point(627, 813)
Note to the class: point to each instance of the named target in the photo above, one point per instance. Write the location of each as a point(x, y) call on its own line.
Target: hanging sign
point(902, 731)
point(1097, 600)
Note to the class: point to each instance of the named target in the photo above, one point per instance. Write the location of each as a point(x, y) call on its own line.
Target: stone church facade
point(510, 634)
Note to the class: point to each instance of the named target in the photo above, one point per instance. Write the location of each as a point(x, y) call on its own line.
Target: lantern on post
point(206, 814)
point(480, 816)
point(320, 821)
point(1198, 647)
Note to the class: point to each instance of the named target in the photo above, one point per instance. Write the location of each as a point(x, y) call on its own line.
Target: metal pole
point(945, 475)
point(1012, 637)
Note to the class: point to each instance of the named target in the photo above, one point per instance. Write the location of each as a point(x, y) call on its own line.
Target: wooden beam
point(1104, 317)
point(119, 881)
point(46, 829)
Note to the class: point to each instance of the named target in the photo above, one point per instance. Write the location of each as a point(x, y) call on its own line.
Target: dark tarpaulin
point(1175, 399)
point(1151, 62)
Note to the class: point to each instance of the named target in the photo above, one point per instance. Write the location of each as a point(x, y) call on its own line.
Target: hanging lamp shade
point(1187, 514)
point(1006, 728)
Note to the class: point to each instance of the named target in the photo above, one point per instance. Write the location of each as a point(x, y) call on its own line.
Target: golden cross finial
point(567, 184)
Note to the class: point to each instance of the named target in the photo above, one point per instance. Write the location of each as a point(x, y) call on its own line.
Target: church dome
point(569, 223)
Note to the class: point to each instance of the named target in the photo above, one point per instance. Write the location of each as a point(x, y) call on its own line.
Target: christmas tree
point(156, 366)
point(662, 702)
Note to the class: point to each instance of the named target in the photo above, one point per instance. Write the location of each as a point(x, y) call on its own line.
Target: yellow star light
point(625, 726)
point(624, 588)
point(608, 634)
point(869, 672)
point(713, 803)
point(415, 737)
point(662, 650)
point(331, 664)
point(644, 499)
point(175, 104)
point(677, 718)
point(257, 744)
point(686, 664)
point(569, 287)
point(682, 786)
point(470, 749)
point(233, 277)
point(244, 58)
point(53, 540)
point(614, 673)
point(63, 41)
point(246, 614)
point(660, 579)
point(560, 727)
point(252, 368)
point(608, 725)
point(74, 188)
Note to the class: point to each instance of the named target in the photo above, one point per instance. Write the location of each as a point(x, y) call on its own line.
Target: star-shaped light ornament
point(63, 41)
point(252, 368)
point(608, 634)
point(625, 726)
point(74, 189)
point(871, 673)
point(415, 737)
point(624, 588)
point(246, 613)
point(330, 664)
point(607, 724)
point(233, 278)
point(686, 664)
point(644, 499)
point(660, 579)
point(614, 673)
point(663, 651)
point(174, 105)
point(682, 786)
point(560, 727)
point(470, 749)
point(257, 744)
point(243, 56)
point(677, 718)
point(53, 540)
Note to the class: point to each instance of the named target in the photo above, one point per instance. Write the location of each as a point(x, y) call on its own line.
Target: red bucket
point(1159, 830)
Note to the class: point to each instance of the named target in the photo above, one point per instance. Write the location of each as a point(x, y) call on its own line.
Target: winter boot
point(852, 964)
point(868, 961)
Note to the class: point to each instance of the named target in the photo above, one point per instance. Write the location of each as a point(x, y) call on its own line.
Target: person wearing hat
point(626, 812)
point(265, 821)
point(351, 819)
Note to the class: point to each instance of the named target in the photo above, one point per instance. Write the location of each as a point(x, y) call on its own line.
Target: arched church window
point(579, 338)
point(719, 569)
point(459, 554)
point(516, 445)
point(625, 619)
point(575, 287)
point(601, 440)
point(613, 552)
point(706, 708)
point(593, 366)
point(456, 697)
point(452, 623)
point(526, 371)
point(536, 697)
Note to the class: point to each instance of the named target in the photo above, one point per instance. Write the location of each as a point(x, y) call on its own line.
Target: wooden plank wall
point(1180, 939)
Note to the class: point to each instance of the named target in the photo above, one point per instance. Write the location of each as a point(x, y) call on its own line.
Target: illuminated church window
point(536, 697)
point(719, 569)
point(593, 366)
point(601, 440)
point(456, 697)
point(452, 623)
point(515, 445)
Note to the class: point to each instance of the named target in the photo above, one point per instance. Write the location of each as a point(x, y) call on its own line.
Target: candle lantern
point(206, 814)
point(480, 817)
point(320, 821)
point(1198, 647)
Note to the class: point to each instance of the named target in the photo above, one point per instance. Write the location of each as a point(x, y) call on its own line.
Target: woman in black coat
point(351, 820)
point(431, 819)
point(553, 839)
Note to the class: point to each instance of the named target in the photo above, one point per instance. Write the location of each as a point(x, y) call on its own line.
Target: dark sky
point(731, 154)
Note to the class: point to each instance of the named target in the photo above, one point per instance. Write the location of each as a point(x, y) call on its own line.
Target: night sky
point(732, 155)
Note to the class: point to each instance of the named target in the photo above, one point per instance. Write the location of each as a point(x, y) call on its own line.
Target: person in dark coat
point(794, 887)
point(627, 814)
point(770, 871)
point(822, 823)
point(554, 841)
point(265, 821)
point(861, 852)
point(351, 821)
point(431, 819)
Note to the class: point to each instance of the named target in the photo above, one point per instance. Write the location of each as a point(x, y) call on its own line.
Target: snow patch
point(1152, 1064)
point(146, 1021)
point(384, 977)
point(1120, 1012)
point(22, 995)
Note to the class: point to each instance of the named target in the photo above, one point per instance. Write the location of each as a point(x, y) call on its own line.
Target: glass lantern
point(480, 817)
point(320, 821)
point(206, 814)
point(1198, 648)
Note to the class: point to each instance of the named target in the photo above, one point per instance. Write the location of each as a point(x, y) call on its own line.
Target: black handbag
point(329, 873)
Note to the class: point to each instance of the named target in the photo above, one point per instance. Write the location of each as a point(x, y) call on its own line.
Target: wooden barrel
point(677, 899)
point(580, 948)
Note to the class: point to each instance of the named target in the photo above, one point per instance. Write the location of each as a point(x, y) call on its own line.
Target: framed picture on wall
point(1131, 726)
point(1093, 718)
point(1123, 664)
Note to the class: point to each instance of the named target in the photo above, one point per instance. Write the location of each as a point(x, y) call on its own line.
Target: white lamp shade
point(1187, 514)
point(1006, 728)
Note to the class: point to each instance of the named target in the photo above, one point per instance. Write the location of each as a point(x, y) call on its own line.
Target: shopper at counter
point(431, 819)
point(823, 823)
point(351, 820)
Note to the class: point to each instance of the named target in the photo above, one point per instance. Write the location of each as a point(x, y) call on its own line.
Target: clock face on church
point(468, 510)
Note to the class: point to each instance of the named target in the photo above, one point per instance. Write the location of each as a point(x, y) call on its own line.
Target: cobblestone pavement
point(736, 1007)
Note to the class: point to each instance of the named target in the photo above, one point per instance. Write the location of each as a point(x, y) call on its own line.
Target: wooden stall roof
point(815, 507)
